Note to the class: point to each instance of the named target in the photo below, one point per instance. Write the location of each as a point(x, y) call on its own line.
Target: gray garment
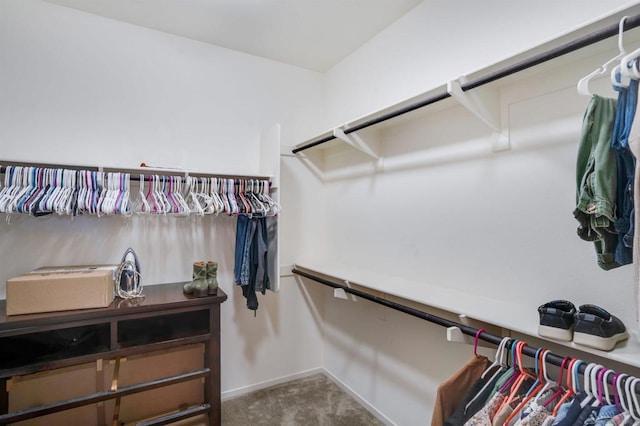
point(262, 277)
point(272, 258)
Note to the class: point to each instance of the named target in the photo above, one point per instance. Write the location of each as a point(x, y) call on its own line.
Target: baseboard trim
point(373, 410)
point(268, 383)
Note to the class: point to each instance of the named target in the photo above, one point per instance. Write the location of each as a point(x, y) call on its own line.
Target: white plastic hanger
point(141, 205)
point(617, 76)
point(629, 65)
point(583, 84)
point(632, 399)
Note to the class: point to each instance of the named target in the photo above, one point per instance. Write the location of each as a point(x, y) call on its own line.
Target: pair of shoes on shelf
point(205, 279)
point(589, 325)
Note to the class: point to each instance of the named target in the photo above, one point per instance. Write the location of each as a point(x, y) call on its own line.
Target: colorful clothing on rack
point(475, 398)
point(534, 412)
point(501, 416)
point(618, 419)
point(535, 417)
point(451, 392)
point(487, 413)
point(504, 378)
point(605, 414)
point(569, 411)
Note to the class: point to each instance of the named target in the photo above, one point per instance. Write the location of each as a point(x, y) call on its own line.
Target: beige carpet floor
point(313, 400)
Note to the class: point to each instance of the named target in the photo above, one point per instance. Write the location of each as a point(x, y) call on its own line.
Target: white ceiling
point(313, 34)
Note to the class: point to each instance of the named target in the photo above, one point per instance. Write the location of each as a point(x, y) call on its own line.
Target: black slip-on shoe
point(597, 328)
point(556, 320)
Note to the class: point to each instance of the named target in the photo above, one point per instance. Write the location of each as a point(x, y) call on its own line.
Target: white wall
point(492, 224)
point(441, 40)
point(75, 88)
point(79, 89)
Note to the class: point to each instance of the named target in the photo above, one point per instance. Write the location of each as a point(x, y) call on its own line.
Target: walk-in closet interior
point(389, 191)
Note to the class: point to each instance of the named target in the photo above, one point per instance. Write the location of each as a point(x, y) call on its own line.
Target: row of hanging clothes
point(607, 179)
point(39, 191)
point(505, 392)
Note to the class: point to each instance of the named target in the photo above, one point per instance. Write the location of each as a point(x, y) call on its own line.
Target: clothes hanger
point(208, 195)
point(46, 204)
point(572, 384)
point(66, 192)
point(534, 389)
point(632, 399)
point(192, 188)
point(158, 205)
point(126, 208)
point(68, 188)
point(21, 206)
point(8, 186)
point(475, 341)
point(185, 206)
point(177, 195)
point(174, 207)
point(520, 380)
point(540, 380)
point(608, 397)
point(163, 190)
point(82, 191)
point(622, 402)
point(556, 396)
point(583, 83)
point(516, 372)
point(549, 383)
point(596, 384)
point(141, 205)
point(587, 380)
point(617, 80)
point(225, 196)
point(15, 205)
point(233, 202)
point(629, 63)
point(218, 191)
point(55, 199)
point(104, 202)
point(498, 366)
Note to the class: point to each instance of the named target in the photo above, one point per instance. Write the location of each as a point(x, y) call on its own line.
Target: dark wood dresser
point(164, 319)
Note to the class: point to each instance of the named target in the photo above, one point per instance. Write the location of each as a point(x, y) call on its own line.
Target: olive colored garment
point(451, 392)
point(596, 173)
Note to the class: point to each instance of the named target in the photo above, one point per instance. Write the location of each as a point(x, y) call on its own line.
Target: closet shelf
point(518, 318)
point(475, 91)
point(134, 171)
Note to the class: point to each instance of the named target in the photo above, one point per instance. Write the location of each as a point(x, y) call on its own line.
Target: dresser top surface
point(158, 297)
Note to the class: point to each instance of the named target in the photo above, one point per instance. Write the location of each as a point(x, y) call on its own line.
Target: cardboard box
point(151, 366)
point(52, 386)
point(72, 382)
point(61, 288)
